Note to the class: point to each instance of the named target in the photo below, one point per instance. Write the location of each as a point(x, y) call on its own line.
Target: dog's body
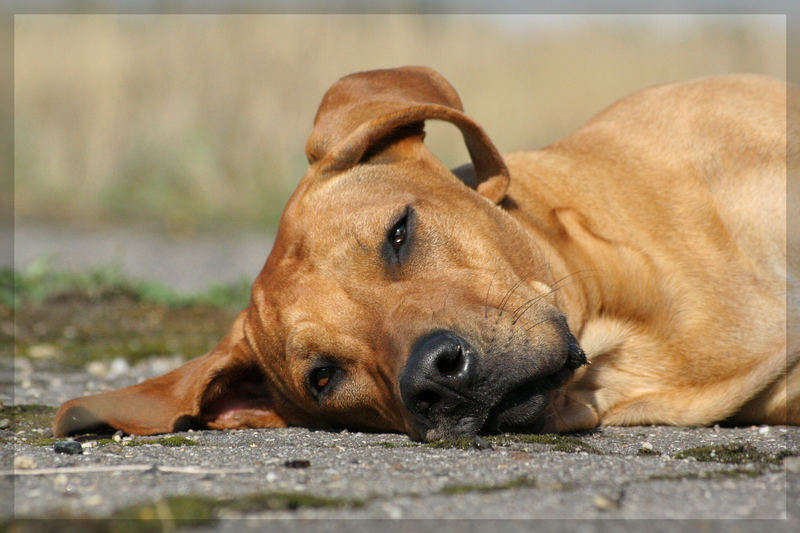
point(397, 298)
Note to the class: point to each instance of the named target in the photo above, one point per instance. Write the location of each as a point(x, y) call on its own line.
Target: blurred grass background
point(187, 123)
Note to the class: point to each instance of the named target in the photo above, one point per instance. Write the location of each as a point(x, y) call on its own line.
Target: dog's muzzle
point(450, 392)
point(437, 381)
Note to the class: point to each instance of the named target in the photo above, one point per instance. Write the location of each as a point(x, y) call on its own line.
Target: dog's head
point(397, 296)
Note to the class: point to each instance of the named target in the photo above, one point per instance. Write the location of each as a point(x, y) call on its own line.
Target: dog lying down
point(633, 273)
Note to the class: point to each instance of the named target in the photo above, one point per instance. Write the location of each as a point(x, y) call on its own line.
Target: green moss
point(559, 443)
point(76, 328)
point(713, 474)
point(174, 512)
point(65, 522)
point(182, 511)
point(521, 482)
point(42, 441)
point(187, 510)
point(28, 417)
point(734, 453)
point(172, 441)
point(40, 282)
point(177, 440)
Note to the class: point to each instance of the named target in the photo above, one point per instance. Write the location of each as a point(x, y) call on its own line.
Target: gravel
point(611, 473)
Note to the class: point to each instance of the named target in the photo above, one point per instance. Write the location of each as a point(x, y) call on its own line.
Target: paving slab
point(620, 479)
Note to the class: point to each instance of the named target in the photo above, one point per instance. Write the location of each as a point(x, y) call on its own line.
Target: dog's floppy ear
point(367, 112)
point(222, 389)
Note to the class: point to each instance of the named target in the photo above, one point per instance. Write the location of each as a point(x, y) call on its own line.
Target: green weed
point(40, 282)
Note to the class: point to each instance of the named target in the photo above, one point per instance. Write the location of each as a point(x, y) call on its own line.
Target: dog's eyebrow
point(405, 213)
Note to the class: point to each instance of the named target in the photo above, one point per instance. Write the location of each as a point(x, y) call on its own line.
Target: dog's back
point(660, 193)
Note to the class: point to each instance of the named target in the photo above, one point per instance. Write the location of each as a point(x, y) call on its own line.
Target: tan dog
point(400, 297)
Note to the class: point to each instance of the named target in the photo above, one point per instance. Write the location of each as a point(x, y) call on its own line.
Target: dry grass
point(195, 121)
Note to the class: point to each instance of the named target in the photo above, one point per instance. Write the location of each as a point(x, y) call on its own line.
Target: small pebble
point(646, 446)
point(70, 447)
point(604, 503)
point(43, 351)
point(23, 462)
point(117, 436)
point(5, 423)
point(97, 369)
point(393, 511)
point(297, 463)
point(94, 500)
point(119, 367)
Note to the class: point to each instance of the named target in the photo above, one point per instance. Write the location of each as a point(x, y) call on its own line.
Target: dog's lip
point(518, 409)
point(521, 407)
point(422, 427)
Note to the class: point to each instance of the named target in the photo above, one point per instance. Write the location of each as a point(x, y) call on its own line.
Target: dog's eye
point(398, 236)
point(320, 378)
point(399, 241)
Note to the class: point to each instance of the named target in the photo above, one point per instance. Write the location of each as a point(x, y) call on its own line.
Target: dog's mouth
point(521, 408)
point(475, 397)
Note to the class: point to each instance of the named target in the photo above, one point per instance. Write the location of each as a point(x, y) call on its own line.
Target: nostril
point(451, 362)
point(425, 400)
point(438, 377)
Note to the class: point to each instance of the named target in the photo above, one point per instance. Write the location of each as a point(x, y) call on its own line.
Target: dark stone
point(68, 446)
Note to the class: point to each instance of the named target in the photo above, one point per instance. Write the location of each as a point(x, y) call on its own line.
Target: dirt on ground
point(72, 329)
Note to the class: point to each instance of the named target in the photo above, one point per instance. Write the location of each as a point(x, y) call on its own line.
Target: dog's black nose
point(437, 377)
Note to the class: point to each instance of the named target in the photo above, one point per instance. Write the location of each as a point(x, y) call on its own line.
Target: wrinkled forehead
point(367, 191)
point(324, 254)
